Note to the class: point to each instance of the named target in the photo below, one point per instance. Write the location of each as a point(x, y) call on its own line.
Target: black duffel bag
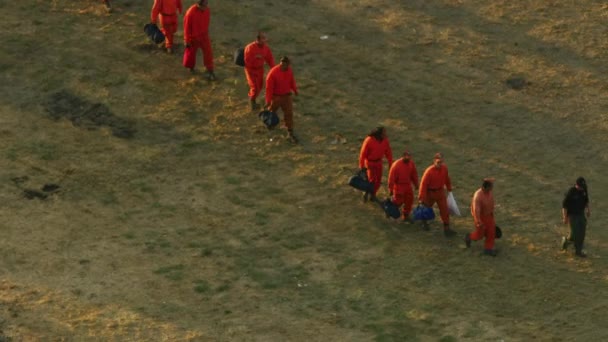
point(270, 119)
point(239, 57)
point(359, 181)
point(154, 33)
point(391, 209)
point(498, 234)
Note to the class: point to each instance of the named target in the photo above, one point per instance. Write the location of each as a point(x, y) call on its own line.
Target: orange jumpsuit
point(279, 85)
point(255, 56)
point(196, 33)
point(482, 210)
point(401, 176)
point(167, 9)
point(432, 190)
point(370, 157)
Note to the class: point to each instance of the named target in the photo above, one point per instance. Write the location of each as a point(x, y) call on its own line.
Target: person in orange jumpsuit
point(374, 148)
point(280, 83)
point(167, 10)
point(196, 34)
point(433, 185)
point(401, 176)
point(256, 54)
point(482, 209)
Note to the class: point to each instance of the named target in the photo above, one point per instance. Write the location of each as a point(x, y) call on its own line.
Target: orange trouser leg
point(374, 174)
point(406, 198)
point(255, 80)
point(285, 103)
point(440, 198)
point(488, 231)
point(169, 27)
point(207, 53)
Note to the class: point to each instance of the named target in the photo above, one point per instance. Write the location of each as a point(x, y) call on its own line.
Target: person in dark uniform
point(576, 211)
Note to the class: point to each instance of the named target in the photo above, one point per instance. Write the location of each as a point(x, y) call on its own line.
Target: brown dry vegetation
point(201, 228)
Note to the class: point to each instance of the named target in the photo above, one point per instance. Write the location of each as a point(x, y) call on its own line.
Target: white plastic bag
point(452, 205)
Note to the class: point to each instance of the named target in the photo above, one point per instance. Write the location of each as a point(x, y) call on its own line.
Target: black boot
point(254, 105)
point(467, 240)
point(292, 137)
point(425, 225)
point(490, 252)
point(447, 231)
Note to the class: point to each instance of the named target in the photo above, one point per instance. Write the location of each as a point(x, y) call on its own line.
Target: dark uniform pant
point(578, 227)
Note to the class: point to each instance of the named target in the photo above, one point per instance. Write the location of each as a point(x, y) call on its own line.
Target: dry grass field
point(178, 217)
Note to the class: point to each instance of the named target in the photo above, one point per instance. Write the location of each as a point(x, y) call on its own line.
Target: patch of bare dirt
point(86, 114)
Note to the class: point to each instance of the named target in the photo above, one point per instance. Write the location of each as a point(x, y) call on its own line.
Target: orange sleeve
point(292, 83)
point(388, 152)
point(423, 185)
point(155, 11)
point(187, 28)
point(363, 152)
point(448, 181)
point(476, 208)
point(269, 86)
point(249, 55)
point(414, 175)
point(392, 176)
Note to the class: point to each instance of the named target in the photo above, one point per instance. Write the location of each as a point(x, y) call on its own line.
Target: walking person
point(374, 148)
point(435, 181)
point(256, 54)
point(482, 210)
point(401, 176)
point(167, 10)
point(280, 84)
point(196, 35)
point(576, 211)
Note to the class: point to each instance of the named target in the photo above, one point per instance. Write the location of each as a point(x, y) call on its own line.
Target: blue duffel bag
point(270, 119)
point(391, 209)
point(239, 57)
point(423, 213)
point(154, 33)
point(359, 181)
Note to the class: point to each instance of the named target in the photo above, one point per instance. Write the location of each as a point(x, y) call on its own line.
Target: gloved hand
point(188, 45)
point(390, 194)
point(363, 170)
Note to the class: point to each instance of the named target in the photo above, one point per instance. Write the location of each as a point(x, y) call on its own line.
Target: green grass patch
point(108, 198)
point(261, 218)
point(44, 150)
point(11, 153)
point(232, 180)
point(201, 286)
point(236, 200)
point(174, 272)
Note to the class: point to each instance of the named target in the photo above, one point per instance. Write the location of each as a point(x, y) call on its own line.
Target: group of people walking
point(280, 82)
point(435, 185)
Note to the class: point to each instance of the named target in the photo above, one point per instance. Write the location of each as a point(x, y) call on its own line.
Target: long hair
point(580, 181)
point(377, 133)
